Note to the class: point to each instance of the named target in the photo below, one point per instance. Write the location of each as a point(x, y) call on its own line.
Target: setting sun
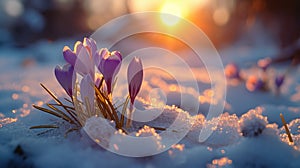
point(172, 8)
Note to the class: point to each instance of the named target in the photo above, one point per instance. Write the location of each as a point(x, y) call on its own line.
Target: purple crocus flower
point(82, 57)
point(109, 64)
point(65, 77)
point(134, 77)
point(279, 80)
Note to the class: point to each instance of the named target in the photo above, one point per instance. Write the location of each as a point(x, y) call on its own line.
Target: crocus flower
point(109, 64)
point(65, 77)
point(232, 71)
point(264, 63)
point(279, 80)
point(253, 83)
point(82, 57)
point(134, 77)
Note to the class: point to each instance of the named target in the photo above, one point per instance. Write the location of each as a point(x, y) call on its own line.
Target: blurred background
point(224, 21)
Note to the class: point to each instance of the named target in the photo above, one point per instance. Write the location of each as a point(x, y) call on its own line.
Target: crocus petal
point(84, 64)
point(65, 77)
point(109, 65)
point(135, 78)
point(279, 80)
point(82, 58)
point(91, 44)
point(87, 91)
point(118, 54)
point(69, 55)
point(77, 47)
point(253, 83)
point(100, 55)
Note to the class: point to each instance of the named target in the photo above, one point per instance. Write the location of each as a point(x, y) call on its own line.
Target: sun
point(168, 9)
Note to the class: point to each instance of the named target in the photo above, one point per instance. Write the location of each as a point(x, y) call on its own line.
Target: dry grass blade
point(124, 131)
point(70, 130)
point(102, 105)
point(107, 106)
point(51, 94)
point(112, 110)
point(158, 128)
point(124, 111)
point(101, 101)
point(52, 113)
point(102, 110)
point(100, 84)
point(286, 128)
point(43, 126)
point(60, 103)
point(69, 101)
point(72, 109)
point(60, 112)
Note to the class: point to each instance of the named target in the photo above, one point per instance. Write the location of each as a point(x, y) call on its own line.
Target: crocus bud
point(134, 77)
point(109, 65)
point(264, 63)
point(253, 83)
point(279, 80)
point(232, 71)
point(65, 77)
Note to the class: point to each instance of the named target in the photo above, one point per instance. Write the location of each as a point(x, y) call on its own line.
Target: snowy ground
point(249, 133)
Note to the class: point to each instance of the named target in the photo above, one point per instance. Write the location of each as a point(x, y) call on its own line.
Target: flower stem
point(129, 120)
point(122, 120)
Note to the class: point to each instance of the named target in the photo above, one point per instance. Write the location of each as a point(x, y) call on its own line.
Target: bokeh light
point(13, 8)
point(221, 16)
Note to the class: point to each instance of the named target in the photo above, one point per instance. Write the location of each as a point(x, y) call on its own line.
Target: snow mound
point(142, 138)
point(99, 130)
point(225, 130)
point(252, 123)
point(143, 143)
point(197, 121)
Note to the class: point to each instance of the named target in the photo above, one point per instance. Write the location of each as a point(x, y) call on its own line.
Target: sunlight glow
point(172, 8)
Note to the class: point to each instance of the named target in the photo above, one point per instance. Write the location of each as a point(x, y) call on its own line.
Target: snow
point(248, 134)
point(253, 123)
